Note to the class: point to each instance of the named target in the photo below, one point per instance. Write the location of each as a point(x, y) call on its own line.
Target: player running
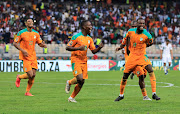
point(139, 39)
point(166, 54)
point(79, 45)
point(27, 38)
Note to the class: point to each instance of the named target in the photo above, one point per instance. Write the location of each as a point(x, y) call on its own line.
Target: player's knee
point(141, 78)
point(30, 75)
point(33, 75)
point(149, 68)
point(80, 82)
point(126, 75)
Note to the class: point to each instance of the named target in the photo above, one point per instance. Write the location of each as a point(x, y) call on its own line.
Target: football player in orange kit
point(139, 39)
point(27, 38)
point(79, 44)
point(138, 70)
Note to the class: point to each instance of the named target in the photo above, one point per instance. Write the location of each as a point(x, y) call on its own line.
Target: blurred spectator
point(58, 21)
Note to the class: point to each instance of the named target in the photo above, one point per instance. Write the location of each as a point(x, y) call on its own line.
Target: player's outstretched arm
point(42, 44)
point(101, 45)
point(70, 48)
point(119, 48)
point(19, 48)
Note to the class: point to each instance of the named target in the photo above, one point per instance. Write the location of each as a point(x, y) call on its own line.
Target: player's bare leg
point(168, 67)
point(80, 83)
point(153, 81)
point(31, 75)
point(122, 86)
point(165, 68)
point(69, 83)
point(132, 76)
point(142, 87)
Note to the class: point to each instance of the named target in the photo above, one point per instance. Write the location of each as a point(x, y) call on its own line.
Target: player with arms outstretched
point(79, 44)
point(27, 38)
point(139, 40)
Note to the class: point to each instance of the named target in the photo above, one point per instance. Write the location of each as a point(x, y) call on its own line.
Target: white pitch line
point(168, 84)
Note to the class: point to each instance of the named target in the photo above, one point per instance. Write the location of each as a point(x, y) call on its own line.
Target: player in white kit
point(166, 55)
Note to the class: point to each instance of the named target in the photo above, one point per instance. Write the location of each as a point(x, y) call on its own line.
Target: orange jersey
point(125, 53)
point(27, 42)
point(138, 42)
point(77, 41)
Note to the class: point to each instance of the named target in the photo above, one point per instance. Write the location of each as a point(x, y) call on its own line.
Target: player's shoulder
point(35, 31)
point(74, 37)
point(163, 44)
point(132, 30)
point(145, 32)
point(89, 37)
point(22, 31)
point(170, 45)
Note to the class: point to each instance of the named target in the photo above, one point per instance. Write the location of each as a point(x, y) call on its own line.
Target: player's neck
point(139, 31)
point(84, 32)
point(29, 29)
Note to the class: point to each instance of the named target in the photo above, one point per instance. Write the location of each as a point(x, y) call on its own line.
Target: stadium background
point(58, 21)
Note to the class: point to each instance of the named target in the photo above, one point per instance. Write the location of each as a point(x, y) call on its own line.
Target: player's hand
point(81, 48)
point(44, 44)
point(25, 53)
point(117, 49)
point(101, 45)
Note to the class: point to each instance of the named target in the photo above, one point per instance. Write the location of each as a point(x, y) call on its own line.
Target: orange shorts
point(136, 60)
point(80, 68)
point(139, 71)
point(29, 65)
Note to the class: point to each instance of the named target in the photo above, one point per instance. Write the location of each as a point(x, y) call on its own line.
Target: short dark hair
point(132, 22)
point(83, 23)
point(167, 40)
point(25, 20)
point(140, 19)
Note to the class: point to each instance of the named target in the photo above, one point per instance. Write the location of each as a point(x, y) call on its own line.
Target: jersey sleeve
point(91, 46)
point(150, 39)
point(38, 39)
point(18, 38)
point(72, 42)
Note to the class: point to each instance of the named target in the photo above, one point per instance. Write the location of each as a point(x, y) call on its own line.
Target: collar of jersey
point(82, 34)
point(142, 31)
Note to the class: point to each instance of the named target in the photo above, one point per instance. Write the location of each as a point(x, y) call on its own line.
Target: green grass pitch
point(96, 96)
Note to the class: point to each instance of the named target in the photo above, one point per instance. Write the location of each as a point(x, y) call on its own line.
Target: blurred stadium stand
point(59, 20)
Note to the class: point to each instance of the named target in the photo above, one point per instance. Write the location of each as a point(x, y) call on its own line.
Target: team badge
point(25, 69)
point(141, 39)
point(138, 72)
point(88, 41)
point(76, 72)
point(34, 36)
